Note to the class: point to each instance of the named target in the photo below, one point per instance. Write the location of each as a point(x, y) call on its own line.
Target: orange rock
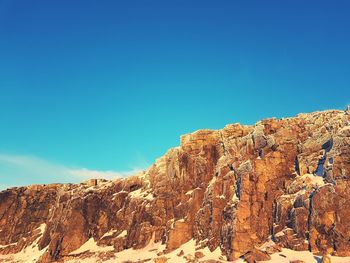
point(283, 180)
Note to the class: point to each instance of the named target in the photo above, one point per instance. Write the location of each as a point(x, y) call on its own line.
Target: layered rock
point(285, 181)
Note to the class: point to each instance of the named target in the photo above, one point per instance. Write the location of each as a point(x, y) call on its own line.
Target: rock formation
point(283, 182)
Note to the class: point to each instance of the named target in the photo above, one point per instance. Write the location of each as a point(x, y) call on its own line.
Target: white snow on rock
point(235, 198)
point(136, 193)
point(189, 250)
point(9, 245)
point(141, 194)
point(32, 253)
point(189, 192)
point(288, 255)
point(91, 246)
point(314, 179)
point(123, 234)
point(109, 233)
point(149, 196)
point(29, 254)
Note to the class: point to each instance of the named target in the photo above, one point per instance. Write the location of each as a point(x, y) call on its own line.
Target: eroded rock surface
point(285, 181)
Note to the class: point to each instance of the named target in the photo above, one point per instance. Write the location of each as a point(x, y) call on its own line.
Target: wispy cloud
point(86, 173)
point(18, 170)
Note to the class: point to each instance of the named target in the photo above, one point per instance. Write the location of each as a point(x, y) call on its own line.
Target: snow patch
point(149, 196)
point(123, 234)
point(136, 193)
point(9, 245)
point(109, 233)
point(30, 253)
point(189, 248)
point(315, 180)
point(288, 255)
point(189, 192)
point(235, 198)
point(91, 246)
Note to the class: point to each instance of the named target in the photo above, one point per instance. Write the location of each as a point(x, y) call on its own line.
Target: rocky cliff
point(243, 191)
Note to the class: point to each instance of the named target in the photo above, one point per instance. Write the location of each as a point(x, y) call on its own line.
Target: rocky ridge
point(245, 191)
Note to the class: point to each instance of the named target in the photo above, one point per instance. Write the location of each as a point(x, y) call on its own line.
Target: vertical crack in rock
point(223, 143)
point(261, 154)
point(57, 250)
point(274, 218)
point(238, 186)
point(320, 171)
point(327, 146)
point(296, 166)
point(242, 170)
point(309, 219)
point(259, 140)
point(329, 171)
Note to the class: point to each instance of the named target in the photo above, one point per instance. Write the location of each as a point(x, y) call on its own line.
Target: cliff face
point(284, 181)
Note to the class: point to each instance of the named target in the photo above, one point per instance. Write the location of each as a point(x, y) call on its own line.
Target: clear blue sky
point(111, 85)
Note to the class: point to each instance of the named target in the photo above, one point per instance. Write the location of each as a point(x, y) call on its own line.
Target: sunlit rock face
point(280, 182)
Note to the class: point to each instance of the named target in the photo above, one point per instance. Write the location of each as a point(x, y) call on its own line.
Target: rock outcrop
point(285, 182)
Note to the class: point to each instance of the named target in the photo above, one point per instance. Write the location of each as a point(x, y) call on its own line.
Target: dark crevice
point(261, 154)
point(238, 186)
point(331, 160)
point(289, 221)
point(55, 254)
point(334, 245)
point(296, 165)
point(327, 146)
point(211, 213)
point(223, 144)
point(274, 147)
point(320, 166)
point(232, 168)
point(274, 215)
point(309, 219)
point(134, 187)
